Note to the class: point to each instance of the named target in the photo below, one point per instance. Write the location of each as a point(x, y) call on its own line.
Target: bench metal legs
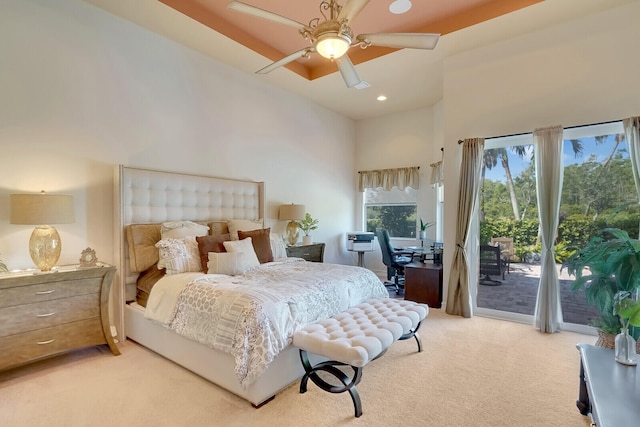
point(413, 333)
point(348, 384)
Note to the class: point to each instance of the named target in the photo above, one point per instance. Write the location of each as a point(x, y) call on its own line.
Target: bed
point(274, 297)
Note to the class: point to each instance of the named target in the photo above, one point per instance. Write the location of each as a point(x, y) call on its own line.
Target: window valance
point(389, 178)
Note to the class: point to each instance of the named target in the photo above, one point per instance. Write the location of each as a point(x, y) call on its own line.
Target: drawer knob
point(44, 292)
point(46, 315)
point(45, 342)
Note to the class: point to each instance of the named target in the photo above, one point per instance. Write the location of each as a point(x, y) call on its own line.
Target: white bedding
point(253, 316)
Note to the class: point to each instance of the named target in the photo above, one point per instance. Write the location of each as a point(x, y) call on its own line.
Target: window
point(394, 210)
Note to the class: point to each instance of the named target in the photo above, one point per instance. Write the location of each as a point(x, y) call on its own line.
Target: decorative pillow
point(244, 225)
point(179, 229)
point(179, 255)
point(246, 247)
point(278, 248)
point(260, 242)
point(208, 244)
point(145, 283)
point(229, 263)
point(142, 239)
point(218, 227)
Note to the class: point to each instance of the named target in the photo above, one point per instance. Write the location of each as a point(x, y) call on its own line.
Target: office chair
point(394, 259)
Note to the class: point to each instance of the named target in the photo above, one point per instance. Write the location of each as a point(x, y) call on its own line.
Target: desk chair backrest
point(385, 247)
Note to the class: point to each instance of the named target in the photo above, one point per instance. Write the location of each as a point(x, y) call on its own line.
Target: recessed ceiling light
point(400, 6)
point(381, 98)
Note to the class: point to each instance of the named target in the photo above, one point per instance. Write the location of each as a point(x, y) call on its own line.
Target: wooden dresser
point(44, 314)
point(313, 252)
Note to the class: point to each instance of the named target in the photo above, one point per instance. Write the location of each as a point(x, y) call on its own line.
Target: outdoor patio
point(517, 294)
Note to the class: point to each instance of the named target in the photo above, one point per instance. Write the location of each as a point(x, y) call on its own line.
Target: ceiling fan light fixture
point(332, 47)
point(331, 39)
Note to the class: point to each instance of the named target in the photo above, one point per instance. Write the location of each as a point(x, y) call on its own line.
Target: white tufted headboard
point(147, 197)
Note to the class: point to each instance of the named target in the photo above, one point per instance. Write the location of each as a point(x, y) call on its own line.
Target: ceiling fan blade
point(348, 71)
point(284, 61)
point(264, 14)
point(401, 40)
point(351, 9)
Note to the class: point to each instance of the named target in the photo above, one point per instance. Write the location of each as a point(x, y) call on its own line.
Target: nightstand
point(42, 314)
point(313, 252)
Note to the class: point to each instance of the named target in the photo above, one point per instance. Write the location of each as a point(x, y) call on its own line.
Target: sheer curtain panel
point(459, 297)
point(549, 174)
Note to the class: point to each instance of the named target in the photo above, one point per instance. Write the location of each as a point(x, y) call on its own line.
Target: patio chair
point(507, 250)
point(490, 265)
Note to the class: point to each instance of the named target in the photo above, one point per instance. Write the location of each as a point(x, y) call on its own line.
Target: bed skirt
point(211, 364)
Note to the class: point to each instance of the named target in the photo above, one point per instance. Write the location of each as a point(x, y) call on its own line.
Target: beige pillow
point(229, 263)
point(244, 246)
point(278, 247)
point(244, 225)
point(178, 229)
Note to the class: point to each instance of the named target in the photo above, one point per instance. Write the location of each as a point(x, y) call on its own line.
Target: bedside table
point(313, 252)
point(43, 314)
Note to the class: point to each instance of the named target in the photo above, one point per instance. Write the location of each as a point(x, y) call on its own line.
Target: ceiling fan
point(332, 37)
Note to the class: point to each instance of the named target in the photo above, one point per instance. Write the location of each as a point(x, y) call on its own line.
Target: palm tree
point(490, 160)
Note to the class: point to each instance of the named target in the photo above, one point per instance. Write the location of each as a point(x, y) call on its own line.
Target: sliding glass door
point(598, 192)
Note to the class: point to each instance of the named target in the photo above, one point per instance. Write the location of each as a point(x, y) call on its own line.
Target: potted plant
point(607, 265)
point(423, 229)
point(628, 308)
point(307, 225)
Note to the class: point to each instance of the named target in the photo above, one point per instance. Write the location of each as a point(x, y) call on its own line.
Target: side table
point(423, 283)
point(609, 391)
point(360, 255)
point(313, 252)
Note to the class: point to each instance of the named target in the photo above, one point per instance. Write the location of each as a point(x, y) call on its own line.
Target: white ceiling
point(409, 78)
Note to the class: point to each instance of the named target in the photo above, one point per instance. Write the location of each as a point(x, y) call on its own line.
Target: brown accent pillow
point(145, 283)
point(208, 244)
point(261, 243)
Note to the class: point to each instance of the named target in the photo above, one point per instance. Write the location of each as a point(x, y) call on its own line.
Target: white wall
point(584, 71)
point(399, 140)
point(83, 91)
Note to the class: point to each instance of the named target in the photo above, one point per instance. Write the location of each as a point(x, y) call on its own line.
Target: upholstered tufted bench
point(354, 338)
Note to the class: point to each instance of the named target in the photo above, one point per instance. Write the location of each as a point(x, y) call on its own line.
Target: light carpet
point(472, 372)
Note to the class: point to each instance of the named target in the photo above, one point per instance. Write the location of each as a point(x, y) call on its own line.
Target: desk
point(423, 283)
point(609, 391)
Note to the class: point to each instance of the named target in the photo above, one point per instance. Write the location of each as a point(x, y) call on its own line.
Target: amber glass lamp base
point(292, 232)
point(45, 247)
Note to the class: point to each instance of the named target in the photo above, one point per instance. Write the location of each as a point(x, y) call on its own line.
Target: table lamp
point(40, 210)
point(292, 213)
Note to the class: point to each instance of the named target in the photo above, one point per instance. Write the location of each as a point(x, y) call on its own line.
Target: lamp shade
point(291, 212)
point(41, 210)
point(38, 209)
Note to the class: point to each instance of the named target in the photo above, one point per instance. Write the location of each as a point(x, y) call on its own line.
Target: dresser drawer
point(22, 348)
point(314, 252)
point(29, 317)
point(19, 295)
